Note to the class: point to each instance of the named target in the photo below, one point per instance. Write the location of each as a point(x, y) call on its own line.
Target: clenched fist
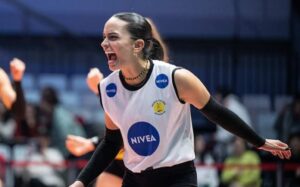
point(79, 146)
point(93, 79)
point(17, 68)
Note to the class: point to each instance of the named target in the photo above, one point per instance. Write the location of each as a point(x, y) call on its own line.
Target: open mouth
point(111, 56)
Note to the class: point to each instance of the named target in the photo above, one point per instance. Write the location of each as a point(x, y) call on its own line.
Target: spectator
point(233, 103)
point(292, 177)
point(7, 125)
point(207, 174)
point(241, 168)
point(47, 165)
point(60, 121)
point(289, 119)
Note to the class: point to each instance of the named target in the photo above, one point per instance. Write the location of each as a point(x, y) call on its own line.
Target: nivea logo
point(111, 90)
point(143, 138)
point(162, 81)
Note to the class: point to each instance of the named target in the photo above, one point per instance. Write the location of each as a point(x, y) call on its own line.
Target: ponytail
point(156, 50)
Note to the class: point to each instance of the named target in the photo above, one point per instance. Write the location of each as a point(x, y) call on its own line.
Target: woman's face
point(117, 43)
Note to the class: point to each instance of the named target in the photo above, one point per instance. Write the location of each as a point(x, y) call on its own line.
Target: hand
point(93, 79)
point(277, 148)
point(17, 69)
point(79, 146)
point(77, 184)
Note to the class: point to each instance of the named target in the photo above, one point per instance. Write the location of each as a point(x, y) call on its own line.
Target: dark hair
point(49, 95)
point(140, 28)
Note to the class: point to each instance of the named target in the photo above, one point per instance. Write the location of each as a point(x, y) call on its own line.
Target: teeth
point(112, 56)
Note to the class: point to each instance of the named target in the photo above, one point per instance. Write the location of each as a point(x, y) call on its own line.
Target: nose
point(104, 44)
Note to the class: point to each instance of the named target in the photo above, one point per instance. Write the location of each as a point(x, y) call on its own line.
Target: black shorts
point(116, 168)
point(181, 175)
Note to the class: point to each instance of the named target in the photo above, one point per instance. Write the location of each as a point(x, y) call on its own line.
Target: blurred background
point(245, 51)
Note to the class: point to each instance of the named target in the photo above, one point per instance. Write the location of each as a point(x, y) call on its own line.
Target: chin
point(113, 68)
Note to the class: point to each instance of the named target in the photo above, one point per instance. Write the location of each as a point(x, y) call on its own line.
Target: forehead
point(115, 25)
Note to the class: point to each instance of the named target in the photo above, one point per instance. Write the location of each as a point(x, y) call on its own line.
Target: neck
point(142, 70)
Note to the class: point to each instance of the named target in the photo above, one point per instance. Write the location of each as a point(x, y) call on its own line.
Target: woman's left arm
point(192, 90)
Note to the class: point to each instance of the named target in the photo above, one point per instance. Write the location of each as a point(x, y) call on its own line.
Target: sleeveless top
point(155, 125)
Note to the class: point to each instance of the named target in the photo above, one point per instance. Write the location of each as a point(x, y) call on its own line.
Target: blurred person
point(60, 122)
point(242, 167)
point(207, 174)
point(79, 146)
point(15, 104)
point(25, 114)
point(231, 101)
point(113, 174)
point(288, 119)
point(146, 102)
point(46, 164)
point(291, 178)
point(7, 125)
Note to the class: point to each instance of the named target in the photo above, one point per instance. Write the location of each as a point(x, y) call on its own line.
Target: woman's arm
point(103, 155)
point(192, 90)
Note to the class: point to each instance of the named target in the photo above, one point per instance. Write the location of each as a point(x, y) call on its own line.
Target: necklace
point(139, 75)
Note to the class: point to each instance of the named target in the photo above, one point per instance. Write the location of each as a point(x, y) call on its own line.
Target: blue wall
point(175, 18)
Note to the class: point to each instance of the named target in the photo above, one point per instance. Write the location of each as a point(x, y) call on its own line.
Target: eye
point(112, 37)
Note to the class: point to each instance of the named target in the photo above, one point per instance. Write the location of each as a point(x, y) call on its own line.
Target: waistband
point(177, 167)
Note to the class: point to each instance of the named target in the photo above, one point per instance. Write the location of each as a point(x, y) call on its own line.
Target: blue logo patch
point(111, 90)
point(143, 138)
point(162, 81)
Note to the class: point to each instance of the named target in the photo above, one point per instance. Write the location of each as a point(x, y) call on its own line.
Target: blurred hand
point(17, 69)
point(79, 146)
point(277, 148)
point(7, 93)
point(93, 79)
point(77, 184)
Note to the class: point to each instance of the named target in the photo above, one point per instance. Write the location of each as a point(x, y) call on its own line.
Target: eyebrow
point(111, 33)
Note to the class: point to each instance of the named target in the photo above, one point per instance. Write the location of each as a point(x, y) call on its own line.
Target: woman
point(146, 104)
point(78, 146)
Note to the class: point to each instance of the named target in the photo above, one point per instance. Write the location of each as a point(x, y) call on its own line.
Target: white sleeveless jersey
point(156, 127)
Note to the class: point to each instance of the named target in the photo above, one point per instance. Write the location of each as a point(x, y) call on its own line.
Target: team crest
point(159, 107)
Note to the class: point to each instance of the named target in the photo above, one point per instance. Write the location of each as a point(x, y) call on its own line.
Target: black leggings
point(181, 175)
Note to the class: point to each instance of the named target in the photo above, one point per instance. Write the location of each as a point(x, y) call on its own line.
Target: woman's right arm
point(103, 155)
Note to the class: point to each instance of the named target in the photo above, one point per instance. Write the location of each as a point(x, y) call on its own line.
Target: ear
point(138, 45)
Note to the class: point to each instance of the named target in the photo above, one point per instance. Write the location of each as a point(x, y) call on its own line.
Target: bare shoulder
point(109, 123)
point(190, 88)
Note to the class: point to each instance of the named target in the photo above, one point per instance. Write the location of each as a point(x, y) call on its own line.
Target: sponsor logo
point(111, 90)
point(162, 81)
point(143, 138)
